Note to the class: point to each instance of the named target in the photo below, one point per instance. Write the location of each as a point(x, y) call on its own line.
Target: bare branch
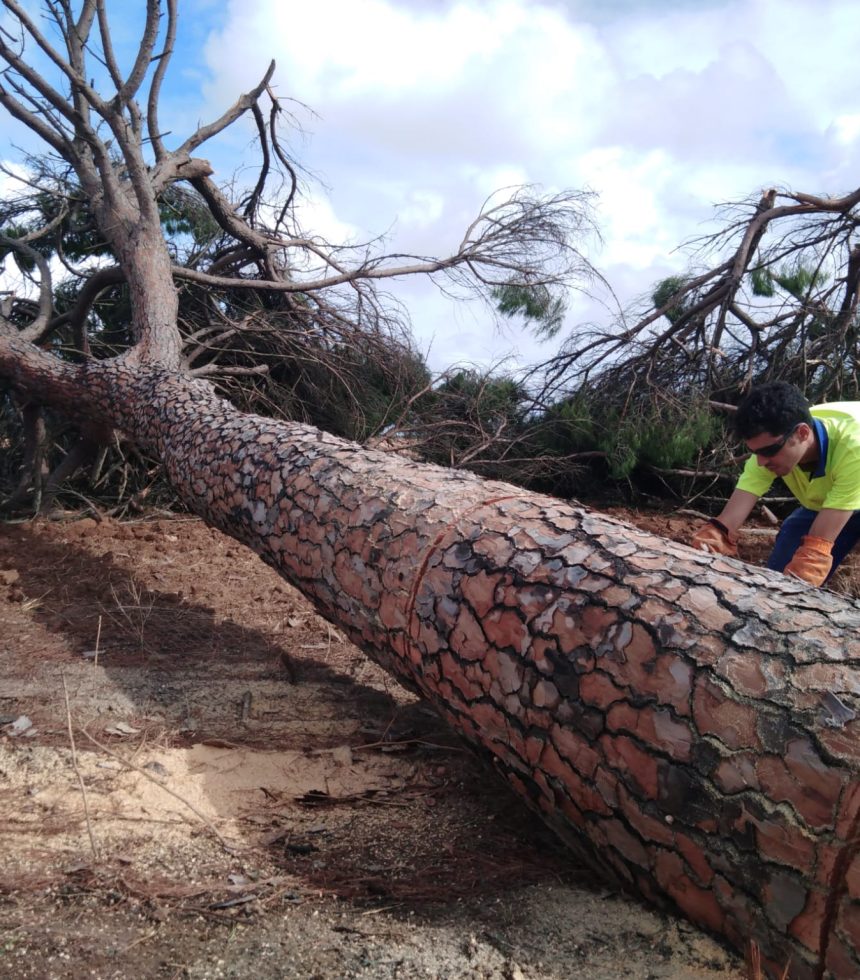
point(52, 134)
point(780, 305)
point(144, 52)
point(107, 45)
point(77, 316)
point(77, 34)
point(34, 331)
point(286, 163)
point(227, 217)
point(216, 370)
point(157, 80)
point(239, 107)
point(254, 197)
point(37, 81)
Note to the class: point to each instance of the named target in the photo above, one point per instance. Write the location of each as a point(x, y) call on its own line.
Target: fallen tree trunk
point(687, 723)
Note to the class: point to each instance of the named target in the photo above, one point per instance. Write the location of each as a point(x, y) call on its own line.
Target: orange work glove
point(812, 561)
point(716, 538)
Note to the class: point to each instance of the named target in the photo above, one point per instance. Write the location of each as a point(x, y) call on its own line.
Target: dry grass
point(847, 579)
point(754, 967)
point(131, 609)
point(30, 605)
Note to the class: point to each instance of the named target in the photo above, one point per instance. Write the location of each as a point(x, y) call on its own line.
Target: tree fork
point(688, 722)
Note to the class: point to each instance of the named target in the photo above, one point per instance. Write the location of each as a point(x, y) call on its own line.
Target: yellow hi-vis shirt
point(835, 482)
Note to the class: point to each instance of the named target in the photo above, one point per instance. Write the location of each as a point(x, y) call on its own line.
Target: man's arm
point(829, 523)
point(738, 508)
point(813, 561)
point(719, 535)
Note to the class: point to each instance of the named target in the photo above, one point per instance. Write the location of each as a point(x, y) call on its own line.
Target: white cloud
point(846, 128)
point(13, 182)
point(421, 208)
point(316, 212)
point(665, 109)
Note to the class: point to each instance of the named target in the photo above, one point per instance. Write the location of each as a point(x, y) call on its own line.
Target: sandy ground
point(200, 778)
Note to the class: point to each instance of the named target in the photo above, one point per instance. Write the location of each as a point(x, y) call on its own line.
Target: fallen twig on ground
point(78, 771)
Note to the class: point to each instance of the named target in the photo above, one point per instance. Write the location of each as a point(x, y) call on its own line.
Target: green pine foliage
point(797, 280)
point(659, 436)
point(535, 304)
point(663, 293)
point(762, 282)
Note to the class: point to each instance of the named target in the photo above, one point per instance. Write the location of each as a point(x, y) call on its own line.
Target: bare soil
point(200, 778)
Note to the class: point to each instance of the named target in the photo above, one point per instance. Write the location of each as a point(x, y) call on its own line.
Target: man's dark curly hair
point(775, 407)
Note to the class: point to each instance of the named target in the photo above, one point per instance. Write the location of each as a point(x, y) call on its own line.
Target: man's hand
point(715, 538)
point(812, 561)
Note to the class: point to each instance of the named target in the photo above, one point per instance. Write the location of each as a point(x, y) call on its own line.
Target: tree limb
point(239, 107)
point(157, 80)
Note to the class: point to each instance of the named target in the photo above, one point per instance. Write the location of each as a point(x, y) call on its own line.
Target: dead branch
point(75, 766)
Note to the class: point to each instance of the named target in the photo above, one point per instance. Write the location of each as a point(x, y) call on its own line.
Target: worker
point(816, 452)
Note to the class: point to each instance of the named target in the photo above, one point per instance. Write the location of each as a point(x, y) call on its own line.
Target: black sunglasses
point(770, 451)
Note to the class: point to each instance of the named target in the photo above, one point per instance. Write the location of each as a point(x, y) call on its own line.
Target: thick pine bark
point(684, 721)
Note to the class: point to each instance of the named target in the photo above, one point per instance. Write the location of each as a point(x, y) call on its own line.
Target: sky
point(417, 111)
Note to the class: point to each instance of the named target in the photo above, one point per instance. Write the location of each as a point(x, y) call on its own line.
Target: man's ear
point(804, 431)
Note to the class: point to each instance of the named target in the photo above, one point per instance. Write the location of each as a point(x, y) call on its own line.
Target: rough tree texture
point(686, 722)
point(690, 725)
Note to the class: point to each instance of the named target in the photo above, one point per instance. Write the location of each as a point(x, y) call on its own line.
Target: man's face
point(780, 452)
